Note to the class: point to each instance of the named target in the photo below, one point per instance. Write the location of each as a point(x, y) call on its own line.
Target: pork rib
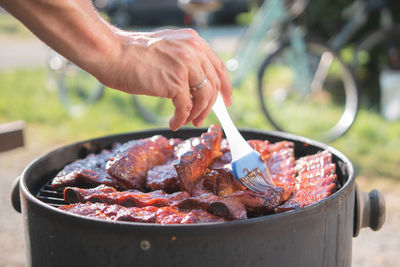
point(164, 215)
point(113, 212)
point(132, 160)
point(315, 180)
point(221, 182)
point(90, 170)
point(228, 208)
point(130, 198)
point(193, 163)
point(281, 166)
point(163, 177)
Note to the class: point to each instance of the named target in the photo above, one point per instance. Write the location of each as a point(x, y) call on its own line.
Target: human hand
point(167, 64)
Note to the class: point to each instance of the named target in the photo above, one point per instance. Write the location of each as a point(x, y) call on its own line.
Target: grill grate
point(50, 196)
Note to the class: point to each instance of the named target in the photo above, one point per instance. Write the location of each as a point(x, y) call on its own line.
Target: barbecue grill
point(317, 235)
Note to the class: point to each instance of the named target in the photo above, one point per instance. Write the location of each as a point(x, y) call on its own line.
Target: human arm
point(163, 64)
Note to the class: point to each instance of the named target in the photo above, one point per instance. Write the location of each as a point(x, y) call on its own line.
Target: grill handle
point(15, 198)
point(369, 210)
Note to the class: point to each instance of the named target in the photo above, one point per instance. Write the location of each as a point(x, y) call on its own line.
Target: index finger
point(183, 105)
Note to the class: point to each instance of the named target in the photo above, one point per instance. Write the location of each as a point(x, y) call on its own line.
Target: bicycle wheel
point(313, 94)
point(76, 87)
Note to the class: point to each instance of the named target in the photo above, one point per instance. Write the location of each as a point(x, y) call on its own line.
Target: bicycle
point(281, 98)
point(242, 63)
point(75, 96)
point(274, 27)
point(310, 71)
point(76, 88)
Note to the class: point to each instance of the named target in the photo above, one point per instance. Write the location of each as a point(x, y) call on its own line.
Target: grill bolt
point(145, 245)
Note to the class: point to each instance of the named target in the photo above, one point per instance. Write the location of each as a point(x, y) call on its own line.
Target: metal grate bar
point(51, 196)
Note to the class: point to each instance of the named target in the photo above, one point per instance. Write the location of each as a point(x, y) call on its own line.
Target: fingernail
point(171, 124)
point(198, 124)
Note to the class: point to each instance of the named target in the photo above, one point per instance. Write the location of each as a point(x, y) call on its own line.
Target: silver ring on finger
point(199, 86)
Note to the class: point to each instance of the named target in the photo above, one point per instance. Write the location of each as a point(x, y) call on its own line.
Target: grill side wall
point(319, 235)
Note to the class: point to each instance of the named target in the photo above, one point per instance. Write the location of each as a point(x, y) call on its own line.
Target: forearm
point(71, 27)
point(162, 63)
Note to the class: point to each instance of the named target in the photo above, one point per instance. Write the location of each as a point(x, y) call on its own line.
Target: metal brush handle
point(239, 147)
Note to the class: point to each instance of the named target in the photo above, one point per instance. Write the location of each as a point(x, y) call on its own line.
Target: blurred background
point(47, 102)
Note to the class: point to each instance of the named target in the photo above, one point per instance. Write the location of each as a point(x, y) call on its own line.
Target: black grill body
point(317, 235)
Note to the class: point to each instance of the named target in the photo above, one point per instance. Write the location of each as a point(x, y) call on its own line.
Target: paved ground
point(26, 52)
point(30, 52)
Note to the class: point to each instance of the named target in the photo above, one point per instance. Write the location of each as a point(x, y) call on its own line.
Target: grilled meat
point(281, 167)
point(222, 183)
point(190, 181)
point(167, 215)
point(113, 212)
point(131, 161)
point(130, 198)
point(90, 170)
point(151, 214)
point(315, 180)
point(192, 164)
point(163, 177)
point(226, 207)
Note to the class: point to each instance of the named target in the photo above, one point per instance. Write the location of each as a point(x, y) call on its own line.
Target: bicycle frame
point(359, 12)
point(269, 14)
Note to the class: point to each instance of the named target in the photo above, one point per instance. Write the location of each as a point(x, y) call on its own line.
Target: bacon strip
point(132, 160)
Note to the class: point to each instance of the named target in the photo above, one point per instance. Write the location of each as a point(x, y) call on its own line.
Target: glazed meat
point(279, 158)
point(167, 215)
point(192, 164)
point(90, 170)
point(259, 146)
point(130, 198)
point(222, 183)
point(164, 215)
point(188, 161)
point(282, 169)
point(230, 209)
point(113, 212)
point(226, 207)
point(163, 177)
point(174, 181)
point(131, 161)
point(315, 180)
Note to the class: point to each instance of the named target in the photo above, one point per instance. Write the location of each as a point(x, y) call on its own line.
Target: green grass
point(372, 144)
point(11, 27)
